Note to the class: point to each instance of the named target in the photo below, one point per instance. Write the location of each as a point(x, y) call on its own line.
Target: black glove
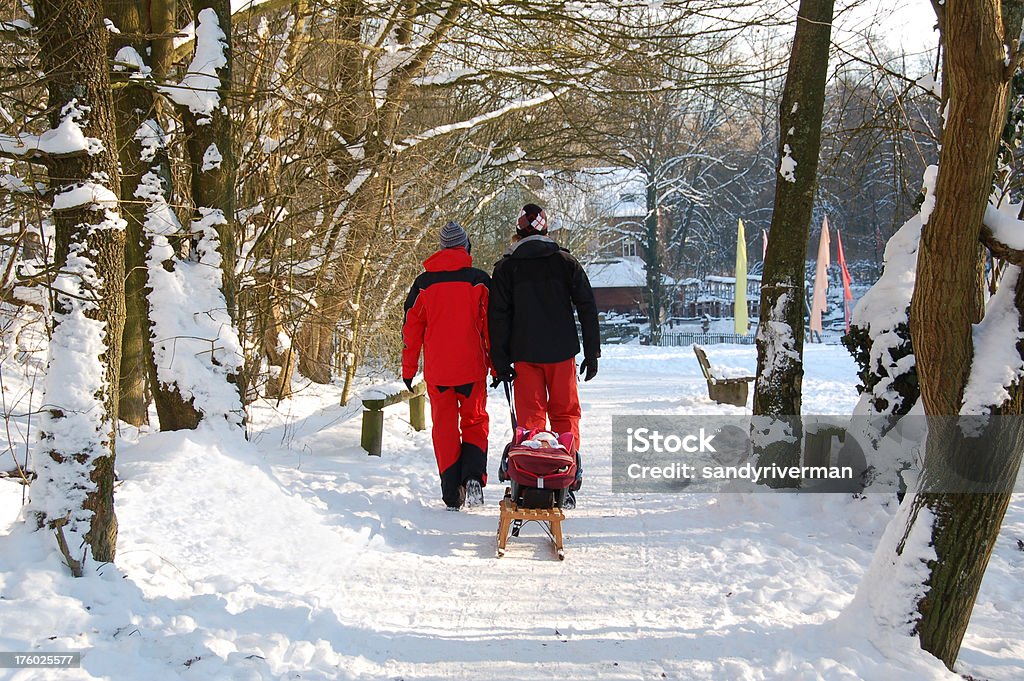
point(506, 376)
point(408, 383)
point(588, 365)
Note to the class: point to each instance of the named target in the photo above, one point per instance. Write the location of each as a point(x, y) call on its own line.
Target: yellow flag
point(740, 303)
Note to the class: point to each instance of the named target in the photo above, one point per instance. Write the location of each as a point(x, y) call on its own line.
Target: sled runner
point(541, 468)
point(513, 517)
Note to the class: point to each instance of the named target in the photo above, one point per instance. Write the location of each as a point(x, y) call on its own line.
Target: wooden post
point(373, 431)
point(818, 445)
point(417, 413)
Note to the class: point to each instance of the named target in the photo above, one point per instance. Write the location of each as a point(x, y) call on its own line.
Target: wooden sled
point(512, 518)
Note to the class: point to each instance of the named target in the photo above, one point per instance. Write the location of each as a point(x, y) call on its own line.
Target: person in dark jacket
point(446, 316)
point(534, 288)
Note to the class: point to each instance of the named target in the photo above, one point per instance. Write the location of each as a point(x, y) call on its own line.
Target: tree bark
point(947, 301)
point(780, 335)
point(90, 250)
point(653, 255)
point(133, 105)
point(778, 387)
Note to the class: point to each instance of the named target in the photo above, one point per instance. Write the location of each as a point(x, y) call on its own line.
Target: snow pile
point(75, 425)
point(1003, 221)
point(199, 89)
point(884, 610)
point(90, 194)
point(220, 573)
point(787, 165)
point(211, 158)
point(66, 138)
point(382, 391)
point(727, 371)
point(194, 341)
point(884, 313)
point(128, 59)
point(997, 361)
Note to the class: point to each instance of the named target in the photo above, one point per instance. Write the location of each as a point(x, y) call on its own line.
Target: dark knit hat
point(453, 236)
point(532, 220)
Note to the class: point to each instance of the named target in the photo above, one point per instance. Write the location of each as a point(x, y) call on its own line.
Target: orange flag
point(847, 293)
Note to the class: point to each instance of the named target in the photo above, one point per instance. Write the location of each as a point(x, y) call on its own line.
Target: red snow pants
point(547, 393)
point(460, 423)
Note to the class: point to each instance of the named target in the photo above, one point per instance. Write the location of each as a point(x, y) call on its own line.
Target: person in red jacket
point(446, 316)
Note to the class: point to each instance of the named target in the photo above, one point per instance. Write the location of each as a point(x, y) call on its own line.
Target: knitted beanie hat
point(453, 236)
point(532, 220)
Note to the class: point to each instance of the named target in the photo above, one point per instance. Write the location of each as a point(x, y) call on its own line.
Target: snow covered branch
point(476, 120)
point(1003, 233)
point(64, 141)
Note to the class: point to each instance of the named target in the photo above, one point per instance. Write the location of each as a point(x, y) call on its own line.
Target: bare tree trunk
point(780, 335)
point(76, 468)
point(133, 105)
point(339, 275)
point(946, 302)
point(653, 255)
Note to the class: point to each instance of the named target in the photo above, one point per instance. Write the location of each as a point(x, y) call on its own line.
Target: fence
point(684, 338)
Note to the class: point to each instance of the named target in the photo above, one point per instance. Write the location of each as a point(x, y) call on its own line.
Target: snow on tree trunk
point(880, 343)
point(133, 104)
point(75, 459)
point(780, 335)
point(196, 350)
point(977, 67)
point(653, 253)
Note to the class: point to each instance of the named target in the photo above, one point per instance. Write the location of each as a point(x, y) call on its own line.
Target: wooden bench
point(373, 415)
point(723, 390)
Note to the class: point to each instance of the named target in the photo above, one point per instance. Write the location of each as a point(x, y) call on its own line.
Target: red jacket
point(446, 315)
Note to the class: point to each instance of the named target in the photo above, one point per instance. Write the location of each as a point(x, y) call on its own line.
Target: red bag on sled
point(536, 460)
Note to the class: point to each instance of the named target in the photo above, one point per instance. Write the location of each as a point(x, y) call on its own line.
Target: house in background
point(616, 209)
point(714, 296)
point(620, 284)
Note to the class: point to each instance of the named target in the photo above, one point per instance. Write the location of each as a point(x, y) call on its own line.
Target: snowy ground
point(297, 556)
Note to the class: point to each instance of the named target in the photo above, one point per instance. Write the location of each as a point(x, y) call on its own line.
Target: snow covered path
point(301, 557)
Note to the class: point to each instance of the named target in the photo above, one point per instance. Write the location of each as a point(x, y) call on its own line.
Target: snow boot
point(474, 493)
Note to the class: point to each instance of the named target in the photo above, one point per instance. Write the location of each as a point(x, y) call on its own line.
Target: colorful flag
point(820, 279)
point(739, 310)
point(847, 293)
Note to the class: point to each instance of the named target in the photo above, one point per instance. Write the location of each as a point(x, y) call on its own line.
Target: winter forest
point(798, 220)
